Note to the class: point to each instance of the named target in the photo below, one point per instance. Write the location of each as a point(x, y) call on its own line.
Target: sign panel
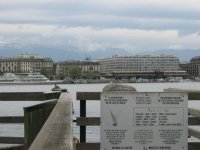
point(144, 121)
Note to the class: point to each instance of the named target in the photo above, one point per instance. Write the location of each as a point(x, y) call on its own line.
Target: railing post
point(34, 119)
point(82, 114)
point(56, 133)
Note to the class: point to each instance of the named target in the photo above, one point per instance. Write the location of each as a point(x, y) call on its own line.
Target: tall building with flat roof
point(140, 65)
point(25, 64)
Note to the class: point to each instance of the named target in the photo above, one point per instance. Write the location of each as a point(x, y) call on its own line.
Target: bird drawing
point(114, 118)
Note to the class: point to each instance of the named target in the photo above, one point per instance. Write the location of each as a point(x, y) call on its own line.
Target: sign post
point(143, 120)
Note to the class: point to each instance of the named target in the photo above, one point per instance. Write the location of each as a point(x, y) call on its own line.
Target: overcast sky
point(89, 25)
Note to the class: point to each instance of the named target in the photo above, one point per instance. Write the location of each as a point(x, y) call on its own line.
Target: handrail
point(192, 95)
point(194, 132)
point(84, 121)
point(12, 140)
point(194, 112)
point(57, 130)
point(28, 96)
point(11, 119)
point(52, 98)
point(24, 96)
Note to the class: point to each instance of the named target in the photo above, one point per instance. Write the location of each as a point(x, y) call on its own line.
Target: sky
point(91, 25)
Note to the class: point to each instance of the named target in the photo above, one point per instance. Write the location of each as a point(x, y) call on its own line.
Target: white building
point(140, 65)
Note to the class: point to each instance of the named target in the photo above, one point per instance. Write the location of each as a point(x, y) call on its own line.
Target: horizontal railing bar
point(193, 145)
point(193, 121)
point(194, 112)
point(12, 119)
point(192, 95)
point(22, 96)
point(87, 146)
point(88, 95)
point(193, 132)
point(95, 121)
point(96, 146)
point(28, 96)
point(52, 95)
point(90, 121)
point(15, 147)
point(12, 140)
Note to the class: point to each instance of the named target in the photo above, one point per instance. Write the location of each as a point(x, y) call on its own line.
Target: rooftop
point(33, 56)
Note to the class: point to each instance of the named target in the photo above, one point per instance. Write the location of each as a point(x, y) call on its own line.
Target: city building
point(25, 64)
point(193, 67)
point(82, 69)
point(140, 66)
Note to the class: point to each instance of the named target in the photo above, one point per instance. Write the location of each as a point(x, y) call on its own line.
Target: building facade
point(193, 68)
point(138, 66)
point(25, 64)
point(84, 69)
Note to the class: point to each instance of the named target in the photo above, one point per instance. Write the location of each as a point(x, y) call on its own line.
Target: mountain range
point(73, 53)
point(184, 55)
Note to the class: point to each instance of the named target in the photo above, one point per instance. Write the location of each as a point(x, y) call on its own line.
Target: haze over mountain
point(60, 53)
point(183, 54)
point(73, 53)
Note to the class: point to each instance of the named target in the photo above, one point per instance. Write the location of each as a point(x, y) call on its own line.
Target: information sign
point(144, 121)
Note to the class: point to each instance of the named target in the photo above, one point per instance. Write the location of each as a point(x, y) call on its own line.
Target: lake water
point(93, 108)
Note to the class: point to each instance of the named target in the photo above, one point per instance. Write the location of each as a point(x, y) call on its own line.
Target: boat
point(32, 77)
point(8, 77)
point(26, 78)
point(141, 80)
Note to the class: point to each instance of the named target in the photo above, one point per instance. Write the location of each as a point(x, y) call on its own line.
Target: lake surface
point(93, 108)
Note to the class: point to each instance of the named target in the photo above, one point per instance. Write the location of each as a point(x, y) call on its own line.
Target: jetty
point(48, 126)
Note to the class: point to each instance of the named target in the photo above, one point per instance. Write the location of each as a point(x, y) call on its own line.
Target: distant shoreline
point(31, 83)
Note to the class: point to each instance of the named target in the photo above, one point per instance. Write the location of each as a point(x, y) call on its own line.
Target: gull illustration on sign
point(114, 118)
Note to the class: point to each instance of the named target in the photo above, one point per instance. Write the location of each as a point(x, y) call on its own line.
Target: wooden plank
point(88, 146)
point(192, 95)
point(12, 140)
point(22, 96)
point(88, 95)
point(89, 121)
point(194, 112)
point(28, 96)
point(34, 118)
point(96, 146)
point(193, 121)
point(52, 95)
point(82, 114)
point(57, 130)
point(15, 147)
point(193, 132)
point(12, 119)
point(193, 146)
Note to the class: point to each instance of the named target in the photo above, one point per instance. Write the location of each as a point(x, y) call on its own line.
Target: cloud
point(96, 25)
point(91, 39)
